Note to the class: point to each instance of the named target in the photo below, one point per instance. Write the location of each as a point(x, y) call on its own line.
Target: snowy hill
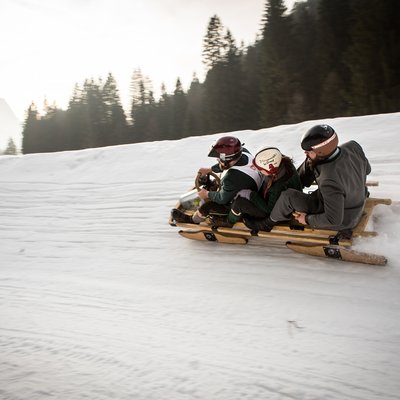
point(10, 126)
point(101, 298)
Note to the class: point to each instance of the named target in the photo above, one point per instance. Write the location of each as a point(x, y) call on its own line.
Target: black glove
point(204, 180)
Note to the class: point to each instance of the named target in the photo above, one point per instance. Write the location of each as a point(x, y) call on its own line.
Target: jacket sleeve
point(278, 187)
point(231, 184)
point(306, 173)
point(225, 195)
point(216, 168)
point(333, 198)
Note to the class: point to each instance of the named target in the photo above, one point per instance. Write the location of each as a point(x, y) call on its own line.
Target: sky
point(48, 46)
point(100, 298)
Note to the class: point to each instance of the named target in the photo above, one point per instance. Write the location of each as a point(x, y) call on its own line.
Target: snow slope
point(101, 299)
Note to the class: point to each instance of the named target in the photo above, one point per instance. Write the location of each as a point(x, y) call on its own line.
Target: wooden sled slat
point(337, 252)
point(276, 235)
point(211, 236)
point(360, 229)
point(289, 235)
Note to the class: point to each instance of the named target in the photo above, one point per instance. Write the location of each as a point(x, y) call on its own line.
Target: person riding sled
point(340, 173)
point(279, 174)
point(238, 172)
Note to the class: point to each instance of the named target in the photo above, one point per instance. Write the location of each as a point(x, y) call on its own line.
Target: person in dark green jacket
point(279, 174)
point(238, 172)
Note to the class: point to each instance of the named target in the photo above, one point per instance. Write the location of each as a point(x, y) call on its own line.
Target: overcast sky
point(49, 45)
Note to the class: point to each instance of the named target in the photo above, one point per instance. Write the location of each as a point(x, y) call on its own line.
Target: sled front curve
point(337, 252)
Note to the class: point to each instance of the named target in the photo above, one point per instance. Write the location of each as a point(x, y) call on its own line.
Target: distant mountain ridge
point(10, 126)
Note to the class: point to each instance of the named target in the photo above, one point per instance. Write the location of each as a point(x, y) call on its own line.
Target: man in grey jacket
point(340, 173)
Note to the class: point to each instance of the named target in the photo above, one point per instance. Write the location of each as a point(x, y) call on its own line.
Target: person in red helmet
point(279, 174)
point(340, 173)
point(238, 173)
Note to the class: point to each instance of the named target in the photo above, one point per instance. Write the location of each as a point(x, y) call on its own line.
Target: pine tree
point(275, 80)
point(305, 96)
point(213, 43)
point(164, 115)
point(31, 131)
point(115, 124)
point(142, 107)
point(78, 124)
point(374, 57)
point(224, 90)
point(251, 65)
point(93, 111)
point(11, 148)
point(195, 118)
point(179, 111)
point(53, 130)
point(334, 20)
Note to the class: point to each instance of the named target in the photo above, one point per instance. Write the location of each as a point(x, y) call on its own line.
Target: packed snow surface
point(101, 299)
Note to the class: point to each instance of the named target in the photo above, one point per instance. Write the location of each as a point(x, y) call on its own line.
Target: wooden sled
point(296, 237)
point(337, 252)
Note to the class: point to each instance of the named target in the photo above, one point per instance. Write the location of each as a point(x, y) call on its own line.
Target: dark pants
point(210, 207)
point(293, 200)
point(243, 206)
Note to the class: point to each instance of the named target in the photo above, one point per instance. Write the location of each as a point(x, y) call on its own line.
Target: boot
point(180, 216)
point(259, 224)
point(220, 221)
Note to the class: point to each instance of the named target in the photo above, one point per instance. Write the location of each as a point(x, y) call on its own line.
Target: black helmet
point(226, 149)
point(322, 139)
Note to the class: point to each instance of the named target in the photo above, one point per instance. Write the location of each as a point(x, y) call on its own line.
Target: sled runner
point(299, 238)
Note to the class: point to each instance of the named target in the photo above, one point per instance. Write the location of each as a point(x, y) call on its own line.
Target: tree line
point(326, 58)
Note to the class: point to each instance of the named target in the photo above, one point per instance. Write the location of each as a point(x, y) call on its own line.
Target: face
point(225, 166)
point(311, 154)
point(264, 172)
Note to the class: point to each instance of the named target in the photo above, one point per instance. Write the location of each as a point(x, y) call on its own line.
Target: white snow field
point(101, 299)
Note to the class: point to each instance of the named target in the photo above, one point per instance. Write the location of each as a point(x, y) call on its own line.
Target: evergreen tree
point(275, 80)
point(304, 100)
point(80, 135)
point(31, 131)
point(214, 43)
point(11, 148)
point(252, 65)
point(179, 111)
point(142, 107)
point(164, 115)
point(224, 88)
point(334, 19)
point(374, 57)
point(195, 119)
point(52, 129)
point(115, 119)
point(96, 113)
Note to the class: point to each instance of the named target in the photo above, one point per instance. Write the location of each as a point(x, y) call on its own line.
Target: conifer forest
point(323, 59)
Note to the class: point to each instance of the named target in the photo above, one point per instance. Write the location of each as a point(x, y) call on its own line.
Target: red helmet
point(226, 149)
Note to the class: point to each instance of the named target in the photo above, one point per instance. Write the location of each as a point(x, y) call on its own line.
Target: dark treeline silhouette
point(326, 58)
